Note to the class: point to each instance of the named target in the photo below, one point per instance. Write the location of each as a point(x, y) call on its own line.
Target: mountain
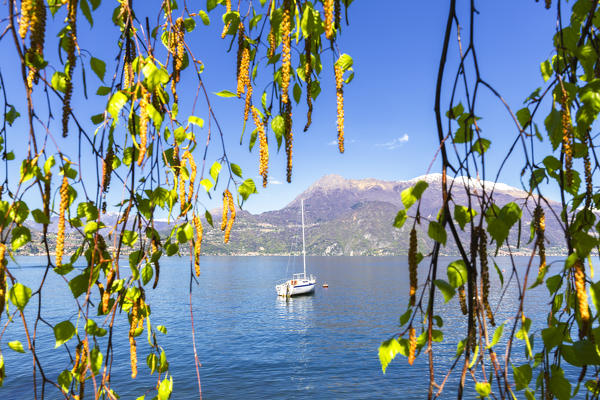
point(354, 217)
point(347, 217)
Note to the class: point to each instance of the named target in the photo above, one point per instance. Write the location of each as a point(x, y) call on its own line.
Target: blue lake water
point(254, 345)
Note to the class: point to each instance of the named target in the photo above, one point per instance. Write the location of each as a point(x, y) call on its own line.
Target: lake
point(254, 345)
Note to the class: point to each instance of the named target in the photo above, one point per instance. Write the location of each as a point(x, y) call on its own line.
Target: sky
point(389, 119)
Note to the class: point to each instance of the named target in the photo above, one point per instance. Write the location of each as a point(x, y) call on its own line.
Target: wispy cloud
point(335, 142)
point(275, 182)
point(394, 143)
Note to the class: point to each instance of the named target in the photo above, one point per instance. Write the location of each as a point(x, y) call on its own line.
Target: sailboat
point(300, 283)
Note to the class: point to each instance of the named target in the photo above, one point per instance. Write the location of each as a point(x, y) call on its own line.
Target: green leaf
point(165, 388)
point(211, 4)
point(388, 351)
point(522, 375)
point(524, 330)
point(59, 81)
point(20, 237)
point(79, 284)
point(546, 69)
point(553, 336)
point(64, 380)
point(87, 210)
point(483, 388)
point(19, 295)
point(96, 360)
point(524, 117)
point(162, 329)
point(204, 17)
point(594, 291)
point(93, 329)
point(247, 188)
point(457, 273)
point(481, 145)
point(400, 219)
point(497, 335)
point(225, 93)
point(278, 127)
point(236, 169)
point(436, 232)
point(463, 215)
point(189, 24)
point(410, 195)
point(63, 331)
point(344, 62)
point(447, 290)
point(97, 119)
point(147, 273)
point(214, 170)
point(583, 352)
point(11, 115)
point(99, 67)
point(130, 237)
point(116, 103)
point(85, 9)
point(185, 233)
point(16, 346)
point(405, 317)
point(196, 121)
point(297, 92)
point(559, 385)
point(209, 218)
point(207, 184)
point(40, 217)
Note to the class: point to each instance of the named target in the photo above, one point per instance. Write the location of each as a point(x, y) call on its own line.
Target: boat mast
point(303, 245)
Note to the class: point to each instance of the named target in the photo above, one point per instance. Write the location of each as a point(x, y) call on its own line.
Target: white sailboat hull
point(300, 283)
point(294, 287)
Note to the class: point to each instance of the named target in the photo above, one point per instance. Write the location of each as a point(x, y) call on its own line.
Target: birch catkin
point(264, 147)
point(582, 300)
point(226, 27)
point(286, 56)
point(462, 298)
point(193, 171)
point(485, 275)
point(272, 39)
point(38, 33)
point(60, 233)
point(339, 89)
point(226, 195)
point(289, 138)
point(71, 39)
point(156, 264)
point(412, 345)
point(133, 356)
point(567, 131)
point(412, 265)
point(308, 78)
point(197, 243)
point(107, 168)
point(589, 188)
point(539, 221)
point(110, 276)
point(328, 10)
point(144, 119)
point(231, 219)
point(2, 278)
point(243, 57)
point(27, 7)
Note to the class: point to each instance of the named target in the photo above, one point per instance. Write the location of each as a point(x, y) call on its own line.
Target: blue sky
point(390, 126)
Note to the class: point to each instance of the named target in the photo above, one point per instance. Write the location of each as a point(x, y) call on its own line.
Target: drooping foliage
point(554, 148)
point(145, 150)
